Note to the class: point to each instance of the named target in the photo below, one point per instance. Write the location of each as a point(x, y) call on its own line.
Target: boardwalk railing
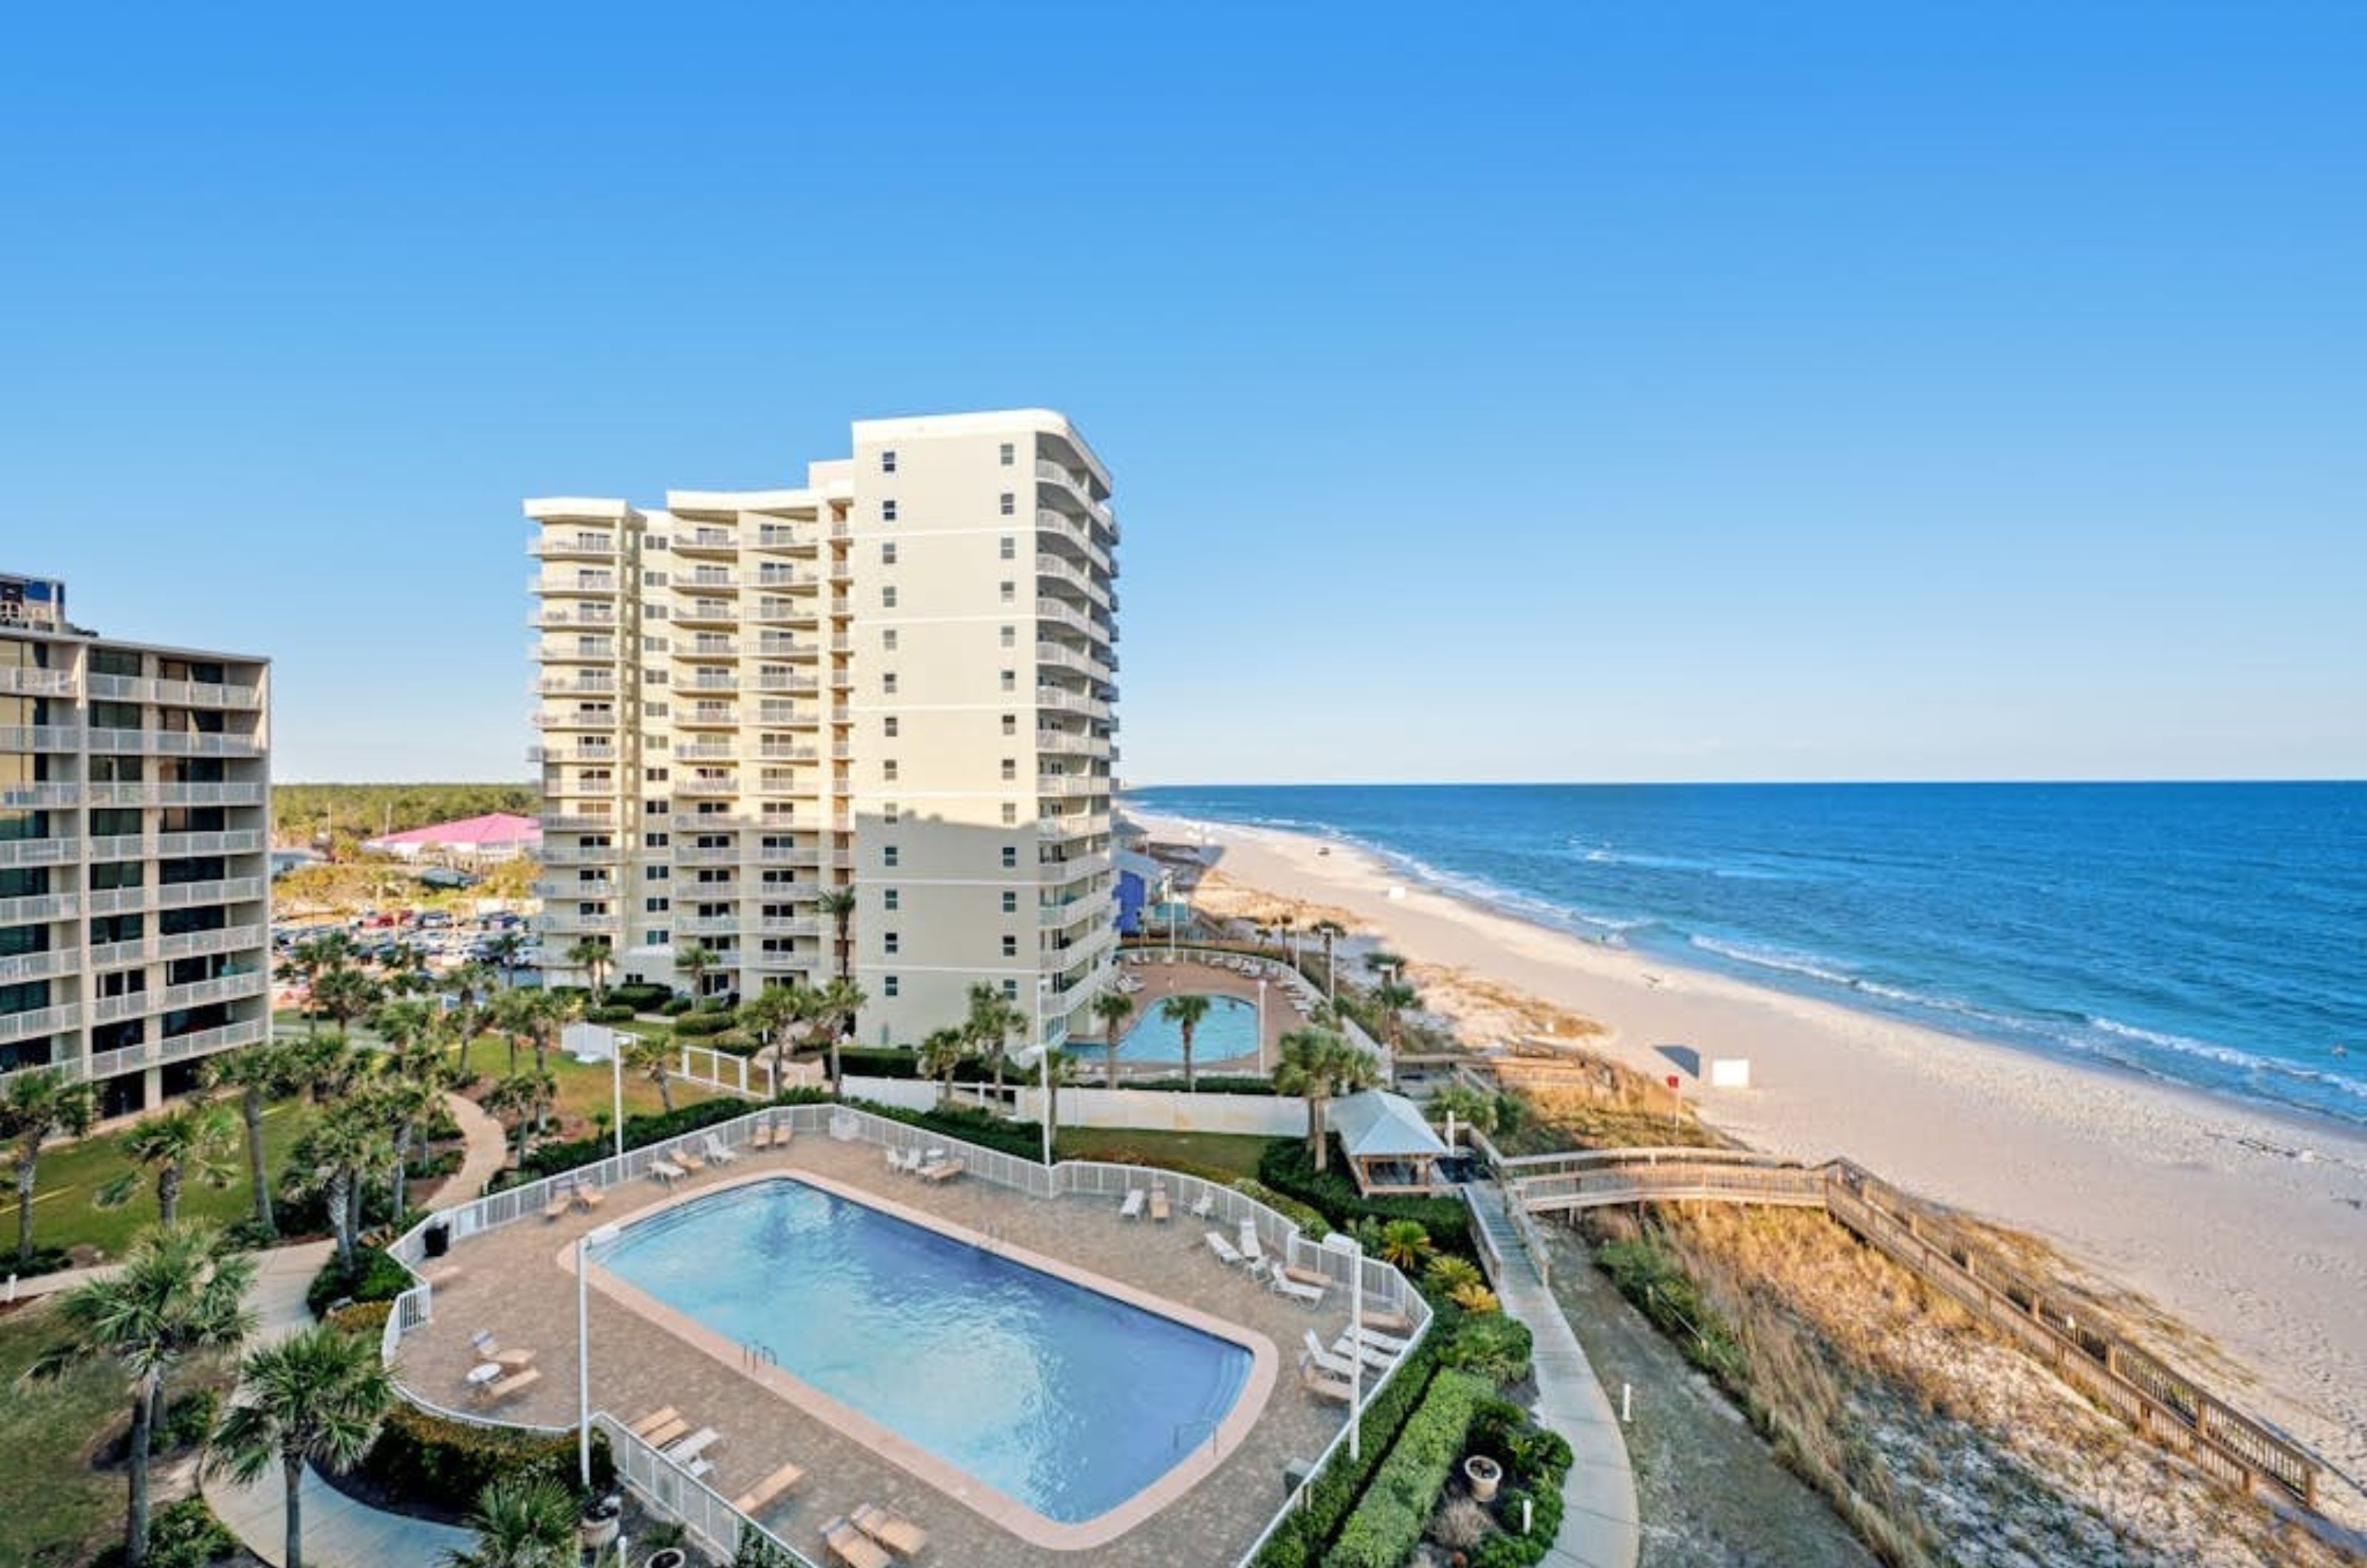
point(2076, 1338)
point(670, 1491)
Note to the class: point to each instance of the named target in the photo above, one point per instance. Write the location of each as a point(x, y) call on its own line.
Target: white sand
point(2247, 1225)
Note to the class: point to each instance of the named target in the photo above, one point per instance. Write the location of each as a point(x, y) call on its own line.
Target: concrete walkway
point(1600, 1526)
point(486, 1150)
point(338, 1531)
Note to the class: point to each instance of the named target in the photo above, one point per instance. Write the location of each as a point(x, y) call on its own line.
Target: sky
point(1576, 392)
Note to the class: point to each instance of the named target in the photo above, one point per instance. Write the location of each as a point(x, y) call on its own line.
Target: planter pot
point(1485, 1475)
point(672, 1557)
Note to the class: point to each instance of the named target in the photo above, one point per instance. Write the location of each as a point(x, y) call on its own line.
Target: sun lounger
point(1160, 1211)
point(852, 1547)
point(1374, 1355)
point(772, 1486)
point(1337, 1365)
point(653, 1420)
point(1315, 1382)
point(684, 1158)
point(1385, 1320)
point(1225, 1250)
point(1207, 1205)
point(1279, 1281)
point(761, 1137)
point(658, 1436)
point(666, 1170)
point(943, 1171)
point(1380, 1341)
point(516, 1383)
point(513, 1361)
point(559, 1204)
point(1249, 1242)
point(1132, 1208)
point(898, 1534)
point(682, 1451)
point(717, 1152)
point(588, 1196)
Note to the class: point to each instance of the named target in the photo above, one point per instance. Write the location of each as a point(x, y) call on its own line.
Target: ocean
point(2210, 934)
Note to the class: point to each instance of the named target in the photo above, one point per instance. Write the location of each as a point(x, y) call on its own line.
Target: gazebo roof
point(1378, 1125)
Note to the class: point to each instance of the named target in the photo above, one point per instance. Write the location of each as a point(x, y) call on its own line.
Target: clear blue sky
point(1588, 393)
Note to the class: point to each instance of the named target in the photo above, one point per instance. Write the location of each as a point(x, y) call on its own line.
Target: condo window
point(656, 807)
point(888, 597)
point(1009, 547)
point(887, 681)
point(655, 936)
point(1011, 680)
point(653, 776)
point(1010, 945)
point(1010, 769)
point(888, 640)
point(1010, 990)
point(887, 727)
point(1010, 635)
point(888, 461)
point(656, 907)
point(1010, 902)
point(1011, 724)
point(653, 579)
point(654, 873)
point(888, 985)
point(887, 511)
point(888, 854)
point(888, 553)
point(1010, 593)
point(1010, 503)
point(887, 769)
point(654, 840)
point(1008, 454)
point(889, 941)
point(890, 898)
point(1011, 814)
point(1010, 857)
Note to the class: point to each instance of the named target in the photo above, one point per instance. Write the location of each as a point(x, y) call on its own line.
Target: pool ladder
point(1175, 1438)
point(755, 1355)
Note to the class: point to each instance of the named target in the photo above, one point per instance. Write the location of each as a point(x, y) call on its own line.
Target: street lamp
point(1260, 1023)
point(603, 1236)
point(616, 1085)
point(1356, 1349)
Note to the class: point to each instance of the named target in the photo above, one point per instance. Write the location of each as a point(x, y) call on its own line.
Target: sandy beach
point(2248, 1226)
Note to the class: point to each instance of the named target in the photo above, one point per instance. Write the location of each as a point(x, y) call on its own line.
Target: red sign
point(1674, 1082)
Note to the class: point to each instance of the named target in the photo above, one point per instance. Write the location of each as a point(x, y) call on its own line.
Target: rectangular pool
point(1067, 1400)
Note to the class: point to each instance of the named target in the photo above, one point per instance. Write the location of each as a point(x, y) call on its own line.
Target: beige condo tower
point(898, 679)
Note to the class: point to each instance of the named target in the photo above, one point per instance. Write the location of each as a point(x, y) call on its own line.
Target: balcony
point(573, 585)
point(180, 1047)
point(23, 682)
point(706, 646)
point(580, 718)
point(38, 965)
point(564, 617)
point(238, 841)
point(34, 796)
point(196, 944)
point(38, 851)
point(711, 821)
point(706, 542)
point(1059, 917)
point(577, 650)
point(788, 925)
point(768, 854)
point(567, 922)
point(40, 738)
point(573, 546)
point(175, 693)
point(785, 612)
point(1072, 743)
point(783, 681)
point(38, 908)
point(715, 580)
point(772, 753)
point(708, 925)
point(579, 855)
point(17, 1026)
point(704, 715)
point(1058, 656)
point(1069, 786)
point(707, 787)
point(710, 681)
point(803, 541)
point(1071, 702)
point(577, 685)
point(704, 751)
point(187, 895)
point(1061, 574)
point(560, 887)
point(773, 646)
point(711, 854)
point(576, 822)
point(707, 613)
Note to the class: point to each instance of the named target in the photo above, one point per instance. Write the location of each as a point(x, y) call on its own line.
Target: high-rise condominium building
point(135, 811)
point(895, 680)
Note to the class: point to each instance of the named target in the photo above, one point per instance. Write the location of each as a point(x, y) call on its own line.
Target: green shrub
point(1285, 1167)
point(429, 1459)
point(365, 1318)
point(614, 1012)
point(374, 1277)
point(549, 1160)
point(1202, 1083)
point(1310, 1223)
point(1387, 1522)
point(1493, 1345)
point(640, 995)
point(1535, 1462)
point(1300, 1539)
point(180, 1535)
point(1649, 1275)
point(1024, 1139)
point(872, 1063)
point(674, 1006)
point(697, 1026)
point(188, 1419)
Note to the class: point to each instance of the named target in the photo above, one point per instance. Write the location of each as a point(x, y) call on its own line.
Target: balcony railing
point(577, 685)
point(582, 584)
point(37, 851)
point(37, 966)
point(175, 693)
point(40, 738)
point(17, 1026)
point(17, 680)
point(179, 1048)
point(33, 798)
point(706, 787)
point(560, 887)
point(38, 907)
point(558, 547)
point(563, 617)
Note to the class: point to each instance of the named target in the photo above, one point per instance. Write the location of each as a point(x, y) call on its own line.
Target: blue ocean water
point(1062, 1397)
point(2215, 934)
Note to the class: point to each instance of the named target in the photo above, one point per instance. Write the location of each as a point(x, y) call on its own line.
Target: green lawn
point(1235, 1153)
point(64, 1214)
point(585, 1088)
point(55, 1510)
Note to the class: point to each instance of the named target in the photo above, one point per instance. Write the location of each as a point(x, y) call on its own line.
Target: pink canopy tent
point(495, 837)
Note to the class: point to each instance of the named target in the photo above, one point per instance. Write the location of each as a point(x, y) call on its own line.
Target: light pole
point(1260, 1024)
point(616, 1085)
point(1044, 1063)
point(603, 1234)
point(1356, 1350)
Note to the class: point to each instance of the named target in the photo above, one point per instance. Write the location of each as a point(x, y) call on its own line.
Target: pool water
point(1059, 1396)
point(1230, 1030)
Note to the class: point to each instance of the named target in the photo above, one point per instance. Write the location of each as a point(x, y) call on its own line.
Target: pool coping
point(997, 1507)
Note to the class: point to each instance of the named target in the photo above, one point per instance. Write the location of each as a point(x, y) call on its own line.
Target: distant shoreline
point(2244, 1221)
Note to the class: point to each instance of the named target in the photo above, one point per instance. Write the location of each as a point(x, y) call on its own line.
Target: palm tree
point(1113, 1008)
point(464, 1019)
point(525, 1093)
point(178, 1291)
point(696, 961)
point(336, 1161)
point(1330, 931)
point(36, 1106)
point(594, 957)
point(1316, 1063)
point(342, 994)
point(185, 1144)
point(261, 1073)
point(1393, 997)
point(315, 957)
point(775, 1014)
point(1057, 1071)
point(650, 1055)
point(408, 1094)
point(1185, 1014)
point(840, 1001)
point(838, 903)
point(317, 1397)
point(992, 1021)
point(941, 1054)
point(505, 949)
point(521, 1522)
point(1404, 1242)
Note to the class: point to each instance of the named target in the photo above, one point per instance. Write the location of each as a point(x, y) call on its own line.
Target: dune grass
point(55, 1510)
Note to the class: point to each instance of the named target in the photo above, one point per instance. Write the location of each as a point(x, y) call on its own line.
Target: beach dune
point(2248, 1226)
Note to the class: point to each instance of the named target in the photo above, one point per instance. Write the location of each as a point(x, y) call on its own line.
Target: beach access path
point(2244, 1225)
point(1600, 1525)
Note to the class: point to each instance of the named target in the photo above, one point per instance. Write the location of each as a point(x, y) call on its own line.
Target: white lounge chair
point(1312, 1378)
point(1132, 1208)
point(1380, 1361)
point(682, 1451)
point(1385, 1342)
point(717, 1152)
point(1249, 1242)
point(1337, 1365)
point(1225, 1250)
point(1282, 1284)
point(1207, 1205)
point(666, 1170)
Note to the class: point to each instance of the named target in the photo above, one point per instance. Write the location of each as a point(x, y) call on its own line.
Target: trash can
point(439, 1239)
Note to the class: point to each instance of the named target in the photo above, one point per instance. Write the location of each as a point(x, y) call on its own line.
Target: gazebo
point(1390, 1147)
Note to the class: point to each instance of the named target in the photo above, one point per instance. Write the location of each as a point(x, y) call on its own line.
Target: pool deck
point(513, 1283)
point(1189, 977)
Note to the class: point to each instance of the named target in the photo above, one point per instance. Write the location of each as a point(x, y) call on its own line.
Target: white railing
point(36, 851)
point(180, 1047)
point(32, 796)
point(669, 1490)
point(240, 842)
point(17, 1026)
point(17, 680)
point(37, 966)
point(38, 907)
point(39, 738)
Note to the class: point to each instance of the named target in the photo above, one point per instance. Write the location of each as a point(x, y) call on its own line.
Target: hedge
point(1299, 1539)
point(443, 1464)
point(1493, 1344)
point(640, 995)
point(1535, 1461)
point(614, 1012)
point(871, 1062)
point(1285, 1167)
point(1024, 1139)
point(374, 1277)
point(1389, 1519)
point(1308, 1220)
point(1202, 1083)
point(551, 1160)
point(697, 1025)
point(180, 1535)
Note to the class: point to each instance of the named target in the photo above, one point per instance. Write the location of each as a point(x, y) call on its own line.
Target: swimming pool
point(1066, 1399)
point(1230, 1030)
